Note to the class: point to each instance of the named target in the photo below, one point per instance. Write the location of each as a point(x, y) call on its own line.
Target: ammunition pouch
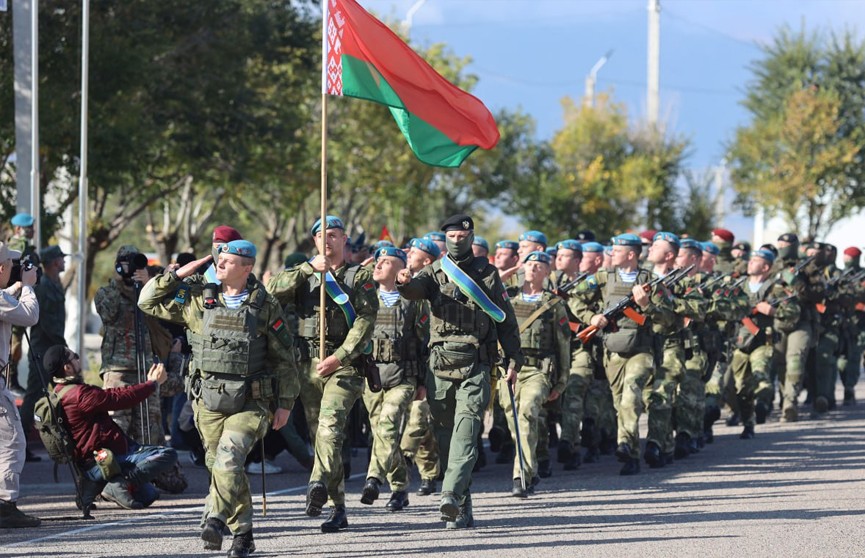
point(453, 361)
point(628, 341)
point(227, 394)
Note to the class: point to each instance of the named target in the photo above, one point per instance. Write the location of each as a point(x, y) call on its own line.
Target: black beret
point(790, 237)
point(458, 222)
point(585, 236)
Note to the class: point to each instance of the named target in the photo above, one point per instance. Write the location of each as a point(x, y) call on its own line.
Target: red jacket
point(86, 408)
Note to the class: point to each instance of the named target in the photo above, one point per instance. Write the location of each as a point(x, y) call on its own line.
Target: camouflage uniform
point(753, 355)
point(418, 441)
point(115, 304)
point(546, 346)
point(247, 352)
point(328, 400)
point(850, 363)
point(20, 244)
point(629, 351)
point(399, 348)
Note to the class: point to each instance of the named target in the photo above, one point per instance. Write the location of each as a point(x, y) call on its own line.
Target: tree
point(803, 150)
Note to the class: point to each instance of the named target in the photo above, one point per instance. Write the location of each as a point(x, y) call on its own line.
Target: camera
point(134, 263)
point(26, 263)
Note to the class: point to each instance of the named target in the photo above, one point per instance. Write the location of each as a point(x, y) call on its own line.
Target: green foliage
point(803, 150)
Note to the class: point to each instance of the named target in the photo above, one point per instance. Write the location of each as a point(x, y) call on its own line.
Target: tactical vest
point(537, 339)
point(309, 315)
point(455, 317)
point(630, 337)
point(394, 338)
point(761, 320)
point(230, 342)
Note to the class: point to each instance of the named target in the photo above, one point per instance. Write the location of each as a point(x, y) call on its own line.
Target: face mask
point(789, 252)
point(850, 264)
point(459, 249)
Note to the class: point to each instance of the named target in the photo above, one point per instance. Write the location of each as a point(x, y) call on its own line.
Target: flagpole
point(323, 228)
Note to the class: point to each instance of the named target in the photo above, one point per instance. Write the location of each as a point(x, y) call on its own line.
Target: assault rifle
point(774, 303)
point(849, 275)
point(797, 269)
point(625, 307)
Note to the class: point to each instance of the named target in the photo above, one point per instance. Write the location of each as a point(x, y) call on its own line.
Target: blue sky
point(532, 53)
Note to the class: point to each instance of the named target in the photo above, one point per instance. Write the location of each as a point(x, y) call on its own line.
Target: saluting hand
point(189, 269)
point(508, 273)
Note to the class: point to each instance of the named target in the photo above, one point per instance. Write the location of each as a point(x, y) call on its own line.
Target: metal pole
point(82, 180)
point(654, 49)
point(35, 201)
point(323, 229)
point(592, 78)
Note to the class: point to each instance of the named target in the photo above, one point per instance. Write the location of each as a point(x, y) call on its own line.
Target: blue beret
point(508, 245)
point(390, 251)
point(381, 244)
point(592, 247)
point(426, 245)
point(481, 241)
point(692, 244)
point(569, 245)
point(669, 237)
point(552, 251)
point(627, 239)
point(765, 254)
point(22, 220)
point(534, 236)
point(435, 235)
point(332, 223)
point(538, 256)
point(239, 248)
point(711, 248)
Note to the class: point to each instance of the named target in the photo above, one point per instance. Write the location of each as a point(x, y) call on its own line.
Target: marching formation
point(564, 345)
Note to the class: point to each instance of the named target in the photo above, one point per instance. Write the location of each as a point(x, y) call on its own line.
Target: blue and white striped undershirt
point(628, 276)
point(234, 301)
point(531, 298)
point(388, 297)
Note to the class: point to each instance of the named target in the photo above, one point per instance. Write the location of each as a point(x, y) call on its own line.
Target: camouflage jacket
point(115, 304)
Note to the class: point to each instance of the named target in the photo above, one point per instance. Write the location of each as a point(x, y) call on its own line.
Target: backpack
point(51, 424)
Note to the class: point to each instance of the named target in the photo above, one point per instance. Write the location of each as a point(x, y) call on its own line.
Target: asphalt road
point(794, 490)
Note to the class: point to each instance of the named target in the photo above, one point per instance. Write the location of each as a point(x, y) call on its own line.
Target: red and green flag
point(363, 58)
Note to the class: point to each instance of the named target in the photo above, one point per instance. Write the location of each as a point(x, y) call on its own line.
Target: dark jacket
point(86, 408)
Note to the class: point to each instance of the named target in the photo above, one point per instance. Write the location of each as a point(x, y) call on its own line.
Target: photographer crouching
point(112, 463)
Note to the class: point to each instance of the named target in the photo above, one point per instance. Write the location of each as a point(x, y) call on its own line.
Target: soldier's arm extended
point(563, 347)
point(365, 302)
point(158, 298)
point(281, 356)
point(284, 284)
point(508, 331)
point(661, 308)
point(689, 303)
point(421, 287)
point(787, 313)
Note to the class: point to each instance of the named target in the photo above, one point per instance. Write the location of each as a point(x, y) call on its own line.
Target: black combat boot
point(316, 498)
point(517, 490)
point(212, 533)
point(631, 467)
point(337, 520)
point(370, 491)
point(747, 433)
point(564, 453)
point(623, 452)
point(761, 411)
point(653, 456)
point(398, 501)
point(545, 470)
point(242, 546)
point(683, 445)
point(427, 487)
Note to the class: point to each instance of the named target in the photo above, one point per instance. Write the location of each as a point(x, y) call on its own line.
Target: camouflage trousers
point(628, 375)
point(599, 406)
point(327, 402)
point(457, 408)
point(143, 422)
point(388, 409)
point(418, 441)
point(661, 398)
point(227, 441)
point(691, 398)
point(530, 393)
point(790, 361)
point(574, 398)
point(751, 377)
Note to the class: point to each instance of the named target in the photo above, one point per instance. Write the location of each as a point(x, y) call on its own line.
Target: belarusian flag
point(363, 58)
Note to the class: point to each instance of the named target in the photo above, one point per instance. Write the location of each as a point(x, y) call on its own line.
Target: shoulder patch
point(180, 295)
point(424, 318)
point(563, 321)
point(368, 286)
point(591, 282)
point(278, 325)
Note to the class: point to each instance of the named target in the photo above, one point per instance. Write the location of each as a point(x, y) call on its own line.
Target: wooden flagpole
point(323, 227)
